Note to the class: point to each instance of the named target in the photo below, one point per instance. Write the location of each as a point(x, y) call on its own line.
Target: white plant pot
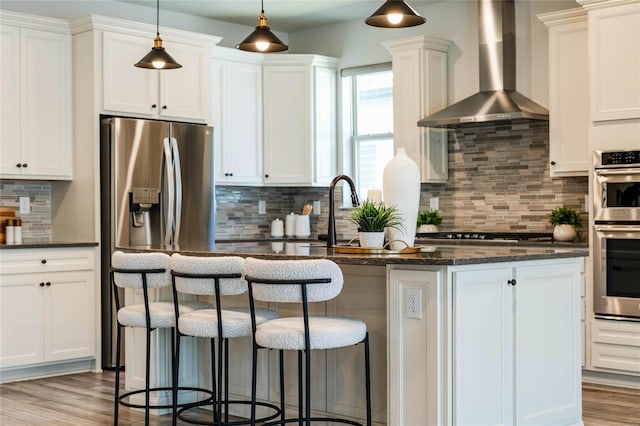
point(564, 232)
point(371, 239)
point(423, 229)
point(401, 188)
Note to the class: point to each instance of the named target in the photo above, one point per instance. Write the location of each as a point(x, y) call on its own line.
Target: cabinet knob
point(267, 176)
point(154, 106)
point(24, 165)
point(231, 174)
point(48, 283)
point(164, 107)
point(18, 165)
point(226, 174)
point(41, 284)
point(43, 261)
point(512, 282)
point(553, 163)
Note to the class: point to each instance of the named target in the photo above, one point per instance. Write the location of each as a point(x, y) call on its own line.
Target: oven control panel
point(617, 158)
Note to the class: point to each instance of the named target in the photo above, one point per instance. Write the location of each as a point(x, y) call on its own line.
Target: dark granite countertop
point(48, 244)
point(436, 254)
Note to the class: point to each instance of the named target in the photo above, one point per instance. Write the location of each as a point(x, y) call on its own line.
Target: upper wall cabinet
point(419, 89)
point(569, 153)
point(299, 104)
point(179, 93)
point(236, 116)
point(614, 55)
point(35, 114)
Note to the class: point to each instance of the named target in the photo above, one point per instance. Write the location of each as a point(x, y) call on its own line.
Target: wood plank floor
point(87, 399)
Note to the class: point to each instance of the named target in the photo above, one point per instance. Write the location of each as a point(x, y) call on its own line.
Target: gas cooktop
point(495, 236)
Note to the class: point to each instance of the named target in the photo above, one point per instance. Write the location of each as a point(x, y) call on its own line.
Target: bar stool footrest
point(192, 404)
point(235, 422)
point(314, 419)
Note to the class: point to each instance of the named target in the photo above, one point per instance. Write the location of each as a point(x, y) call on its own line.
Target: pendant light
point(262, 39)
point(395, 14)
point(158, 58)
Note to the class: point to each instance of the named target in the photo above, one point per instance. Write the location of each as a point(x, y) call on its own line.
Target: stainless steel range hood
point(497, 99)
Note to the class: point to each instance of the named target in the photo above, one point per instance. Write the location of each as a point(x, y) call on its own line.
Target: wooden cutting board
point(5, 213)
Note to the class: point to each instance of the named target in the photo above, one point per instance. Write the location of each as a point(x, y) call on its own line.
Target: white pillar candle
point(374, 195)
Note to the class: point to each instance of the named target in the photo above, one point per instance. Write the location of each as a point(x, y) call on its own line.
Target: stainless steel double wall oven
point(616, 254)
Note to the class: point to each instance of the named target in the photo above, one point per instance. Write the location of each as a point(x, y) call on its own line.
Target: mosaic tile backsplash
point(36, 224)
point(498, 181)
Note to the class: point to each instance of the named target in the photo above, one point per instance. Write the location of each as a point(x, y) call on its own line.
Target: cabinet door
point(46, 104)
point(287, 124)
point(614, 39)
point(569, 153)
point(10, 155)
point(547, 345)
point(483, 347)
point(21, 313)
point(69, 316)
point(126, 88)
point(237, 120)
point(184, 92)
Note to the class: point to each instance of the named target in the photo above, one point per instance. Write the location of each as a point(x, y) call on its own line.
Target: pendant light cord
point(157, 17)
point(262, 5)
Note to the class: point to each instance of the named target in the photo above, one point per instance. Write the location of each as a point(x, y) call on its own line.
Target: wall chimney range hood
point(497, 99)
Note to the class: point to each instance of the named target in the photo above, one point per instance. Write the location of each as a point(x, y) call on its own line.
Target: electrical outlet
point(262, 207)
point(414, 303)
point(434, 203)
point(25, 205)
point(316, 207)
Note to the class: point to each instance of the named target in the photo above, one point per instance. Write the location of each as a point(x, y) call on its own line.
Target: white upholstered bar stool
point(215, 276)
point(145, 271)
point(303, 281)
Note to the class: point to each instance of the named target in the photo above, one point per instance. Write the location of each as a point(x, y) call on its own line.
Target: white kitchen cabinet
point(420, 89)
point(299, 113)
point(180, 93)
point(236, 116)
point(47, 306)
point(569, 153)
point(616, 346)
point(614, 56)
point(516, 358)
point(35, 111)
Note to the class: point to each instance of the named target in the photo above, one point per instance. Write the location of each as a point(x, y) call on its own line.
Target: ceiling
point(283, 15)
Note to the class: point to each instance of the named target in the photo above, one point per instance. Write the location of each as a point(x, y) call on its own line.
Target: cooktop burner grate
point(472, 235)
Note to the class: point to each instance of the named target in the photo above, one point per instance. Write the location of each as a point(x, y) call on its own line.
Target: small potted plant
point(428, 221)
point(372, 218)
point(565, 220)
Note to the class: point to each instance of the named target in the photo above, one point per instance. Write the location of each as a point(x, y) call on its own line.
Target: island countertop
point(429, 254)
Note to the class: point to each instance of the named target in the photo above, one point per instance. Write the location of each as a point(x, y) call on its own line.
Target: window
point(367, 105)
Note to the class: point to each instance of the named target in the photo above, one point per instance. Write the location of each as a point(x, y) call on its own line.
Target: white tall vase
point(401, 188)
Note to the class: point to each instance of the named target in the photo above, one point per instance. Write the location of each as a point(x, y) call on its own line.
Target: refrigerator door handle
point(170, 192)
point(178, 189)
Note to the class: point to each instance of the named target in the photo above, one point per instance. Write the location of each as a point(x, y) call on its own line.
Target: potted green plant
point(372, 218)
point(565, 220)
point(429, 220)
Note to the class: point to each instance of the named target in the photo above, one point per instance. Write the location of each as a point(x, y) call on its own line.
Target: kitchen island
point(459, 335)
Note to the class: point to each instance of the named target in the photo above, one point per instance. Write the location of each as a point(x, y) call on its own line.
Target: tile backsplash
point(498, 181)
point(37, 224)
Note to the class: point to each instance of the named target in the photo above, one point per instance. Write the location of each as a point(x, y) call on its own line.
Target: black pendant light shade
point(262, 39)
point(158, 58)
point(395, 14)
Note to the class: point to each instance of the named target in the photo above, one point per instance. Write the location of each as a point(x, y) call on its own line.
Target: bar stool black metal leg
point(176, 374)
point(220, 372)
point(254, 384)
point(282, 414)
point(117, 392)
point(147, 377)
point(226, 380)
point(307, 390)
point(300, 388)
point(367, 366)
point(213, 381)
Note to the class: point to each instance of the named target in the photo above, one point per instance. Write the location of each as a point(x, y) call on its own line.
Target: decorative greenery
point(431, 217)
point(374, 217)
point(564, 216)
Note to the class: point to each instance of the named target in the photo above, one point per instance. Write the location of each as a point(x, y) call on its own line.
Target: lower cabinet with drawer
point(616, 346)
point(47, 306)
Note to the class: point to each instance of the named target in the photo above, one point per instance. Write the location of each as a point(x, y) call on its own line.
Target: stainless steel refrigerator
point(157, 190)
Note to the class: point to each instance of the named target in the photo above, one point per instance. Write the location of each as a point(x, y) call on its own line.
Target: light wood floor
point(87, 399)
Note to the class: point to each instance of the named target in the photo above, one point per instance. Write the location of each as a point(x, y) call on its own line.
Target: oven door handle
point(618, 172)
point(614, 229)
